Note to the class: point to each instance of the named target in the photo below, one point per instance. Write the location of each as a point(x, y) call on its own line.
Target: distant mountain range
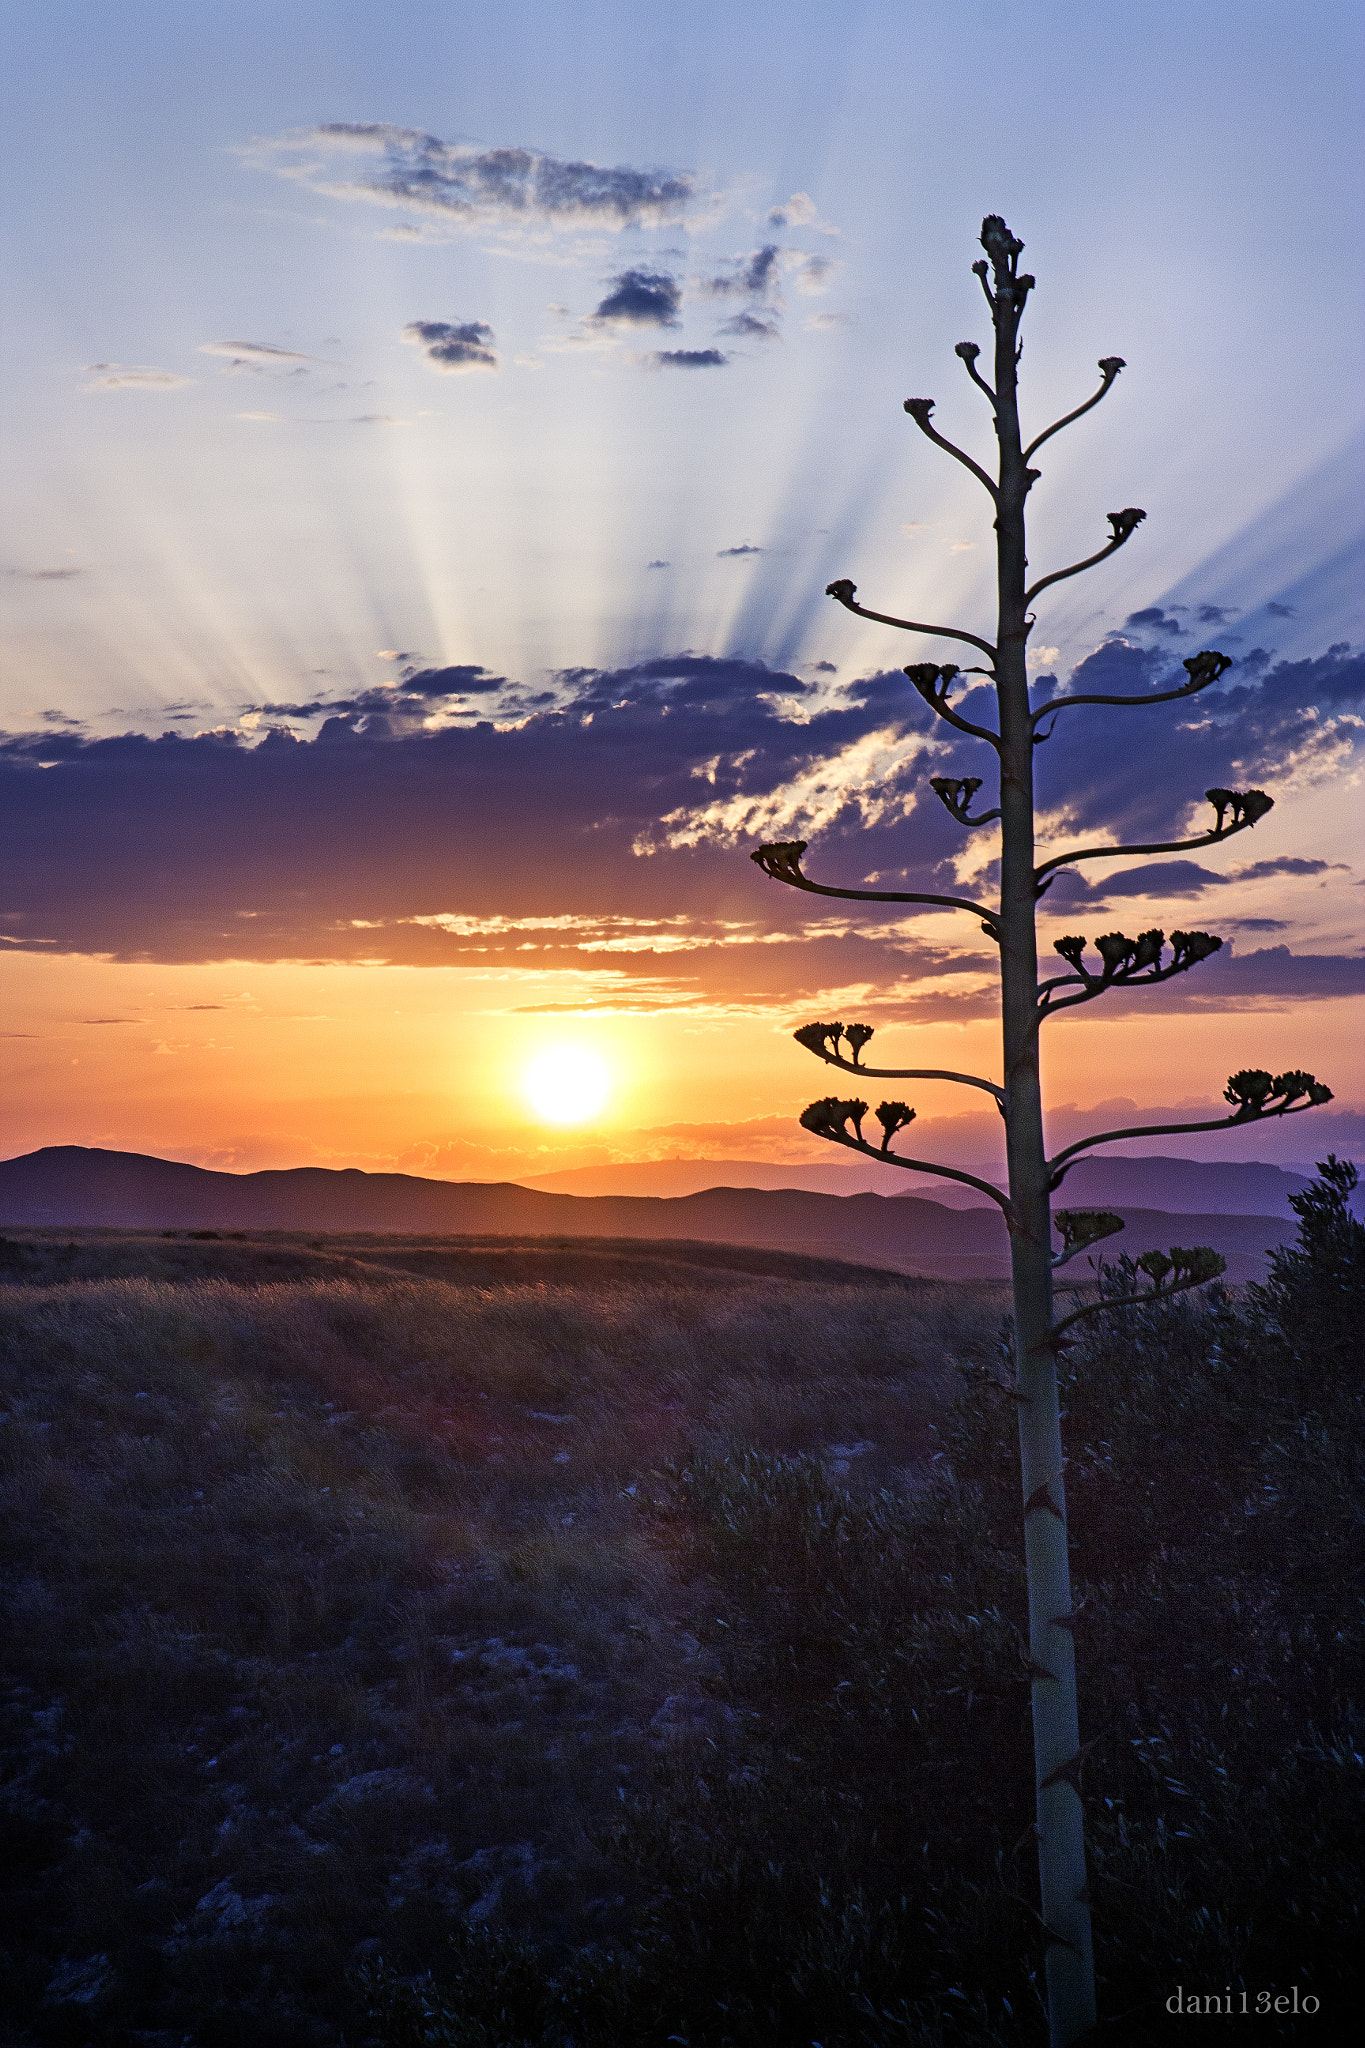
point(1199, 1187)
point(66, 1186)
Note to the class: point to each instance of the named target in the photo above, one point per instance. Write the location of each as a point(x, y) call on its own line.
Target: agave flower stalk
point(1026, 1003)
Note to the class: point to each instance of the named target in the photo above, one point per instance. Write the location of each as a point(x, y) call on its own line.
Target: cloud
point(796, 212)
point(597, 831)
point(133, 377)
point(658, 565)
point(825, 668)
point(748, 327)
point(1292, 722)
point(1168, 879)
point(260, 358)
point(1288, 864)
point(641, 298)
point(754, 276)
point(45, 575)
point(687, 359)
point(1281, 611)
point(453, 348)
point(1215, 614)
point(1154, 620)
point(814, 274)
point(455, 186)
point(826, 323)
point(743, 549)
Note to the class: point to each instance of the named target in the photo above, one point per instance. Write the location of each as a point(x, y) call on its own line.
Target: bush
point(843, 1856)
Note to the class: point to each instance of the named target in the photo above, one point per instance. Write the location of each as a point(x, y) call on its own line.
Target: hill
point(75, 1186)
point(1200, 1187)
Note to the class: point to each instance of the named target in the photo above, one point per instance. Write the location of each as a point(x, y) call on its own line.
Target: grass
point(344, 1601)
point(529, 1646)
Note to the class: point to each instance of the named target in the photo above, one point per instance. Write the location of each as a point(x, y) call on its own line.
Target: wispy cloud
point(748, 327)
point(814, 274)
point(457, 186)
point(754, 276)
point(133, 377)
point(454, 347)
point(260, 358)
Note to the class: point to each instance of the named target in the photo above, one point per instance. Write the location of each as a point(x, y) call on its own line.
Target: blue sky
point(331, 362)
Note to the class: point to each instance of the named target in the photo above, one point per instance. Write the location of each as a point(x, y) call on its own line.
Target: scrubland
point(521, 1646)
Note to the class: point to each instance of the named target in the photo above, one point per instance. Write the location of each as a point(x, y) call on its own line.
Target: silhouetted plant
point(1026, 1002)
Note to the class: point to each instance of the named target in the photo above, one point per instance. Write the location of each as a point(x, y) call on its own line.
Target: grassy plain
point(497, 1645)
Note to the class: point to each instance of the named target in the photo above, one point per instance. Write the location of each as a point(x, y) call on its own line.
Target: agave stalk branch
point(1109, 367)
point(1062, 1162)
point(1216, 838)
point(921, 410)
point(914, 1074)
point(782, 863)
point(1199, 680)
point(970, 1180)
point(837, 590)
point(1125, 525)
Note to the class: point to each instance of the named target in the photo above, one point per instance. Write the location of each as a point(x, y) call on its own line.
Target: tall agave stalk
point(1026, 1001)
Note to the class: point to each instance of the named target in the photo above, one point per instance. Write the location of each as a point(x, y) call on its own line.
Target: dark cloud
point(658, 565)
point(748, 327)
point(825, 668)
point(743, 549)
point(603, 828)
point(1280, 611)
point(689, 359)
point(1155, 620)
point(1174, 878)
point(1138, 770)
point(641, 298)
point(1287, 864)
point(45, 575)
point(469, 187)
point(454, 347)
point(1215, 614)
point(749, 277)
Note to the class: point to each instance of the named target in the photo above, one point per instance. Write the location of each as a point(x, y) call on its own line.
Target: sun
point(566, 1085)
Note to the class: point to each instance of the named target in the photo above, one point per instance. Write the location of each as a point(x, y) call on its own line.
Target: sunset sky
point(430, 429)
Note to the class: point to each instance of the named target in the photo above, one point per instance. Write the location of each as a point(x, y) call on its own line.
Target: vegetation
point(336, 1607)
point(1026, 1002)
point(404, 1661)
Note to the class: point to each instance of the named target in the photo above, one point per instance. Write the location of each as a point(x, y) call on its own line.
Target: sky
point(429, 432)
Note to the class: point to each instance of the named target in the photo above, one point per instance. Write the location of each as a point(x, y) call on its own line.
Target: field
point(499, 1643)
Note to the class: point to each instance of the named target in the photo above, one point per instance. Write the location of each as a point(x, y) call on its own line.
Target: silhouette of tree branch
point(1128, 963)
point(1208, 1267)
point(818, 1038)
point(1247, 807)
point(842, 593)
point(1254, 1089)
point(1109, 369)
point(829, 1119)
point(968, 352)
point(1125, 525)
point(782, 863)
point(919, 410)
point(1204, 669)
point(955, 793)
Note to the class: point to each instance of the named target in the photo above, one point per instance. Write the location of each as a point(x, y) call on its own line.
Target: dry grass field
point(486, 1644)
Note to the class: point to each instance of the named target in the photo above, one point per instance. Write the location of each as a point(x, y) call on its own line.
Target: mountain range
point(68, 1186)
point(1197, 1186)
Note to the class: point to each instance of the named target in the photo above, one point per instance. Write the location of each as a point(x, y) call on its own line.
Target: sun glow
point(566, 1085)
